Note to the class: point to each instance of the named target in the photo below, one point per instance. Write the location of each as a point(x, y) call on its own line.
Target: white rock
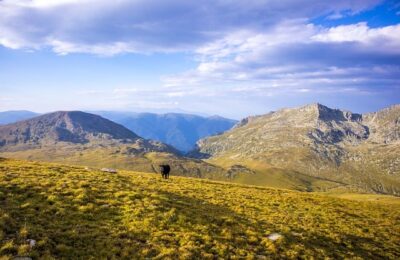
point(31, 242)
point(274, 236)
point(109, 170)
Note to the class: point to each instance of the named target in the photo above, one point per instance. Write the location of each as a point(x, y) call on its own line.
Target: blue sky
point(232, 58)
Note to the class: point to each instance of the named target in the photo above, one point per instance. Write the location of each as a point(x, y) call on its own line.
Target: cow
point(165, 169)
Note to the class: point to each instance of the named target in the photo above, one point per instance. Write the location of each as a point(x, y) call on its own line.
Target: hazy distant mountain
point(179, 130)
point(8, 117)
point(314, 140)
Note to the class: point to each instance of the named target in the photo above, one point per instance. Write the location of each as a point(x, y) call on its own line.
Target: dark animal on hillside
point(165, 169)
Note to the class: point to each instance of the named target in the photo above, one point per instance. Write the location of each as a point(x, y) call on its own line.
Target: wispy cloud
point(296, 55)
point(384, 39)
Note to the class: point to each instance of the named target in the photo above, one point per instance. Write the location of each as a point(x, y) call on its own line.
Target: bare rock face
point(384, 125)
point(321, 142)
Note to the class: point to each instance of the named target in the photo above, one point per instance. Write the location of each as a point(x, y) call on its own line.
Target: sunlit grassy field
point(72, 212)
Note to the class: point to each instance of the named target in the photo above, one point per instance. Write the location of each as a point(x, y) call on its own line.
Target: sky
point(233, 58)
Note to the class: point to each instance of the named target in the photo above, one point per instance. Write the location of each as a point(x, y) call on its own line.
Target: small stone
point(274, 236)
point(31, 242)
point(109, 170)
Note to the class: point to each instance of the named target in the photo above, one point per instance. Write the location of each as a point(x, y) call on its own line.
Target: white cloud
point(388, 36)
point(42, 3)
point(104, 27)
point(300, 57)
point(176, 94)
point(335, 16)
point(110, 49)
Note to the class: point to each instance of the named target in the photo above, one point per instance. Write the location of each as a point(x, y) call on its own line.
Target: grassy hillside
point(119, 157)
point(71, 212)
point(265, 174)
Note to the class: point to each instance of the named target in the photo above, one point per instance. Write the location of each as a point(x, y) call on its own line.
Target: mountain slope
point(179, 130)
point(384, 125)
point(9, 117)
point(76, 213)
point(352, 149)
point(72, 127)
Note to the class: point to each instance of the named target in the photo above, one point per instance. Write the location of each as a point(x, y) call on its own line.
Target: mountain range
point(310, 148)
point(8, 117)
point(353, 150)
point(76, 137)
point(179, 130)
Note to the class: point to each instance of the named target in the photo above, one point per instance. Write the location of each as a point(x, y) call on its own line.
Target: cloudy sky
point(228, 57)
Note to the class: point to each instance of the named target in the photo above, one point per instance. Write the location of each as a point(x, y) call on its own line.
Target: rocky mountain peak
point(384, 124)
point(325, 113)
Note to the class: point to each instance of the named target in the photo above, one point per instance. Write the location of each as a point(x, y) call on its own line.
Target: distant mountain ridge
point(12, 116)
point(182, 131)
point(179, 130)
point(350, 148)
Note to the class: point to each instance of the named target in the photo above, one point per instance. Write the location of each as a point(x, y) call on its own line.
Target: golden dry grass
point(75, 213)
